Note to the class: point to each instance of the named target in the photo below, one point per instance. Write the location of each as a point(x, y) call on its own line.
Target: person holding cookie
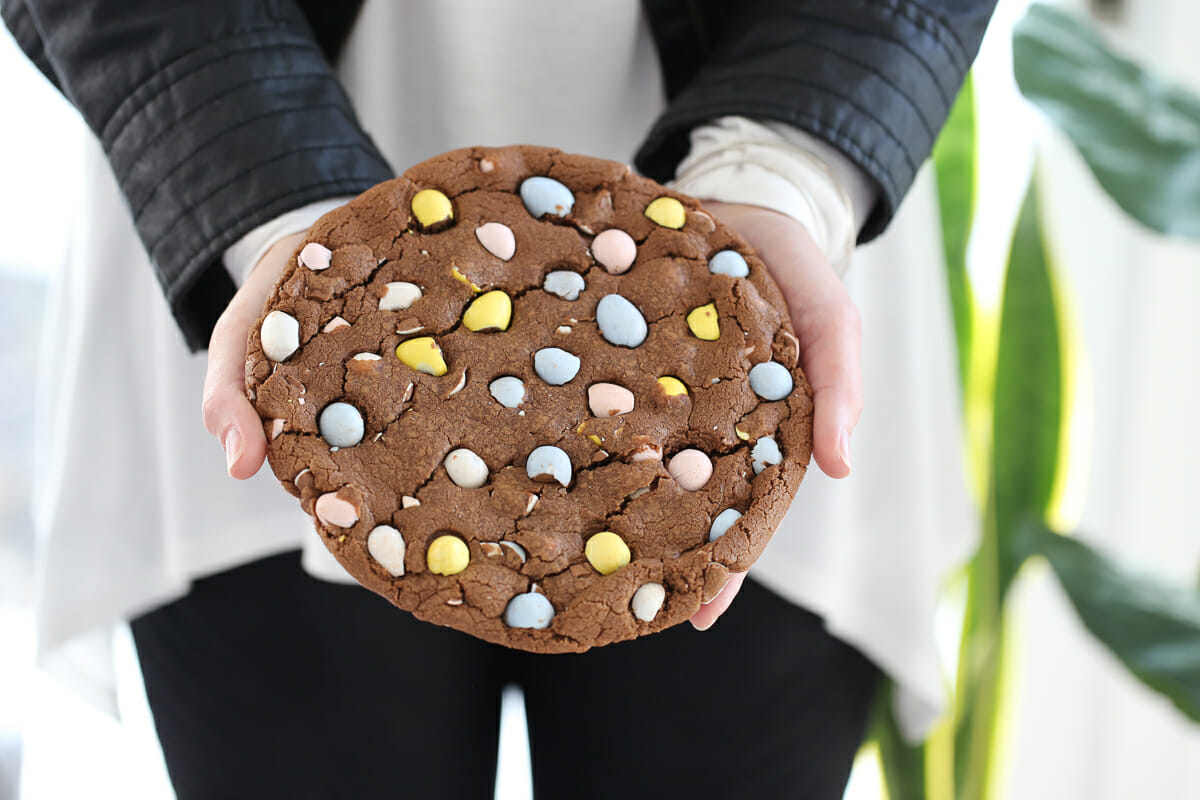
point(230, 129)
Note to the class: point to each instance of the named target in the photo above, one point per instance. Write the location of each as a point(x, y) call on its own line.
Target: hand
point(830, 334)
point(228, 415)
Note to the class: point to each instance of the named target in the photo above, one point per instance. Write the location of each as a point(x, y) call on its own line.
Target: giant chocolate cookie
point(533, 396)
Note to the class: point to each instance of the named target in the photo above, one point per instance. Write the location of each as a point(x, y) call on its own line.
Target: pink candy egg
point(333, 510)
point(691, 469)
point(315, 256)
point(497, 239)
point(609, 399)
point(615, 250)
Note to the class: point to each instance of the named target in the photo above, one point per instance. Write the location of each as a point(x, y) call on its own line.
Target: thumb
point(227, 413)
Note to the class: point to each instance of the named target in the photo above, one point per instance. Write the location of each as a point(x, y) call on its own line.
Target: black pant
point(266, 683)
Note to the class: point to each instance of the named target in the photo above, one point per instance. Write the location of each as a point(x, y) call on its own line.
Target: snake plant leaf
point(1152, 627)
point(954, 160)
point(1028, 396)
point(1138, 132)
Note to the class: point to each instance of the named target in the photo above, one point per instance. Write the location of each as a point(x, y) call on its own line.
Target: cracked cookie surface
point(484, 442)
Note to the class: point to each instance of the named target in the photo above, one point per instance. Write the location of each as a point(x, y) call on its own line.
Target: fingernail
point(844, 448)
point(703, 627)
point(233, 449)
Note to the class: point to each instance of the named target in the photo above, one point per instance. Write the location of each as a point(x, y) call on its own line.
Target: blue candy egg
point(764, 454)
point(729, 262)
point(341, 425)
point(565, 284)
point(771, 380)
point(529, 610)
point(549, 463)
point(620, 322)
point(546, 196)
point(508, 391)
point(722, 523)
point(555, 366)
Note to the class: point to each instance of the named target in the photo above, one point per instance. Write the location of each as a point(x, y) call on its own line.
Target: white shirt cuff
point(242, 255)
point(776, 166)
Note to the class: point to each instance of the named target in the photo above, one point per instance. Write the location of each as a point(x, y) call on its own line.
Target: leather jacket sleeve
point(218, 115)
point(215, 115)
point(874, 78)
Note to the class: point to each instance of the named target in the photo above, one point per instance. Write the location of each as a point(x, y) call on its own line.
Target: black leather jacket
point(206, 108)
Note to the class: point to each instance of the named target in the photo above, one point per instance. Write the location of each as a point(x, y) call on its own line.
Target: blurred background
point(1071, 721)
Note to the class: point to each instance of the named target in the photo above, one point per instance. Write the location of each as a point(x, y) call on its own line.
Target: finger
point(704, 619)
point(228, 415)
point(830, 334)
point(831, 356)
point(825, 320)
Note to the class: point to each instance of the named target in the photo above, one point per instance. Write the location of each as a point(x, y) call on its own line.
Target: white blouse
point(133, 500)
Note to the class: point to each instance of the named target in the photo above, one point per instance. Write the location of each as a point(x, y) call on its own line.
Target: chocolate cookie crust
point(376, 368)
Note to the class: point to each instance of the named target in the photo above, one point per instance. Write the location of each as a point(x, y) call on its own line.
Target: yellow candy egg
point(423, 355)
point(607, 552)
point(447, 555)
point(668, 212)
point(458, 276)
point(491, 311)
point(702, 322)
point(431, 207)
point(672, 387)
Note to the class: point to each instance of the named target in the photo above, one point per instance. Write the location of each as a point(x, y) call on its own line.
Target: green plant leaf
point(1026, 416)
point(954, 160)
point(1027, 404)
point(1138, 132)
point(903, 763)
point(1152, 627)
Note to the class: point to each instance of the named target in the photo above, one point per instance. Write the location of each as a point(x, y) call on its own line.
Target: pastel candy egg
point(517, 550)
point(547, 464)
point(497, 238)
point(315, 256)
point(648, 451)
point(691, 469)
point(729, 262)
point(702, 322)
point(668, 212)
point(431, 208)
point(620, 321)
point(555, 366)
point(333, 510)
point(399, 295)
point(466, 468)
point(564, 283)
point(606, 552)
point(764, 454)
point(771, 380)
point(447, 555)
point(672, 387)
point(648, 601)
point(615, 250)
point(543, 195)
point(423, 355)
point(609, 399)
point(722, 523)
point(491, 311)
point(280, 335)
point(529, 610)
point(508, 391)
point(341, 424)
point(386, 546)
